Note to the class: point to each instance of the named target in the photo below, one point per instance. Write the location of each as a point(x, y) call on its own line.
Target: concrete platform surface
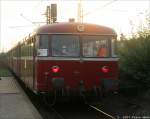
point(14, 104)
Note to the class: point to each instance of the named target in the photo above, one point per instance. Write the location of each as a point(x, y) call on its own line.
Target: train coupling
point(110, 85)
point(58, 82)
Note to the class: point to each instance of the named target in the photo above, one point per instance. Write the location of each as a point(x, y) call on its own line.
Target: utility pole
point(80, 12)
point(48, 14)
point(149, 16)
point(0, 33)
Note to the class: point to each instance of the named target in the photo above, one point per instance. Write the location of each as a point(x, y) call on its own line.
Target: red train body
point(67, 57)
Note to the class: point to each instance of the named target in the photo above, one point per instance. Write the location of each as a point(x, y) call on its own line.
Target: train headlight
point(55, 69)
point(105, 69)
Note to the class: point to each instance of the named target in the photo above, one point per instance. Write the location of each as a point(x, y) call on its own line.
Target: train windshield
point(65, 45)
point(96, 46)
point(92, 46)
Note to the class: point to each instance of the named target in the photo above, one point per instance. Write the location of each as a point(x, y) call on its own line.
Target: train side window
point(43, 45)
point(43, 42)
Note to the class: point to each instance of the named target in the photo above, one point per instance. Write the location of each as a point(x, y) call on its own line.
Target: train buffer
point(14, 104)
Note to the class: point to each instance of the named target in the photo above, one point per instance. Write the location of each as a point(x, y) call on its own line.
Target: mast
point(80, 12)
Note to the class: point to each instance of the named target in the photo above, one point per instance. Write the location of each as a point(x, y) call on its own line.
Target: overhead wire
point(27, 19)
point(105, 5)
point(21, 26)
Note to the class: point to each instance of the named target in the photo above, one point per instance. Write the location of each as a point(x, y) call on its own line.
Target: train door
point(66, 51)
point(34, 61)
point(18, 60)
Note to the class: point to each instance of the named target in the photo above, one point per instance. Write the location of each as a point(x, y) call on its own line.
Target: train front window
point(65, 45)
point(96, 46)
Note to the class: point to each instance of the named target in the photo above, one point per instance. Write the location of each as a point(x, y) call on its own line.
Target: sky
point(19, 18)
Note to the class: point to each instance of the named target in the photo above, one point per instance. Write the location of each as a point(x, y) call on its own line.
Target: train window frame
point(66, 55)
point(109, 50)
point(42, 52)
point(114, 47)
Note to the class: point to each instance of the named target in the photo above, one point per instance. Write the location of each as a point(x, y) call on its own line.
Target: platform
point(14, 104)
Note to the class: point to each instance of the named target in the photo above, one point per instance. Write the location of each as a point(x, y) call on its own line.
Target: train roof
point(75, 28)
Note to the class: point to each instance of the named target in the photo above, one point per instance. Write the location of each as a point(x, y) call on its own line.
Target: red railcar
point(73, 58)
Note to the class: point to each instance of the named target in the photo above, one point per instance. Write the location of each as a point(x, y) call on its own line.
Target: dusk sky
point(18, 17)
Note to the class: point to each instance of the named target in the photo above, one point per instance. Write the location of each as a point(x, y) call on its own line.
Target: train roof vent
point(71, 20)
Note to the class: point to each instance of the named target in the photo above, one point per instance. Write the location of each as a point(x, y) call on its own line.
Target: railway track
point(82, 110)
point(52, 112)
point(102, 112)
point(76, 111)
point(69, 110)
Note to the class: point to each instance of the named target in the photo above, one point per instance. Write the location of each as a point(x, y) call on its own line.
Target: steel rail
point(104, 113)
point(57, 113)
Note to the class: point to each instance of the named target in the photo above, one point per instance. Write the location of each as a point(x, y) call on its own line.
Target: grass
point(4, 72)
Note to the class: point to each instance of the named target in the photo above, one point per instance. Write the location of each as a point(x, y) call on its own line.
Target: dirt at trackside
point(124, 106)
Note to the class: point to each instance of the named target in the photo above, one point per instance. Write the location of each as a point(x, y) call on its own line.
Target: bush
point(135, 59)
